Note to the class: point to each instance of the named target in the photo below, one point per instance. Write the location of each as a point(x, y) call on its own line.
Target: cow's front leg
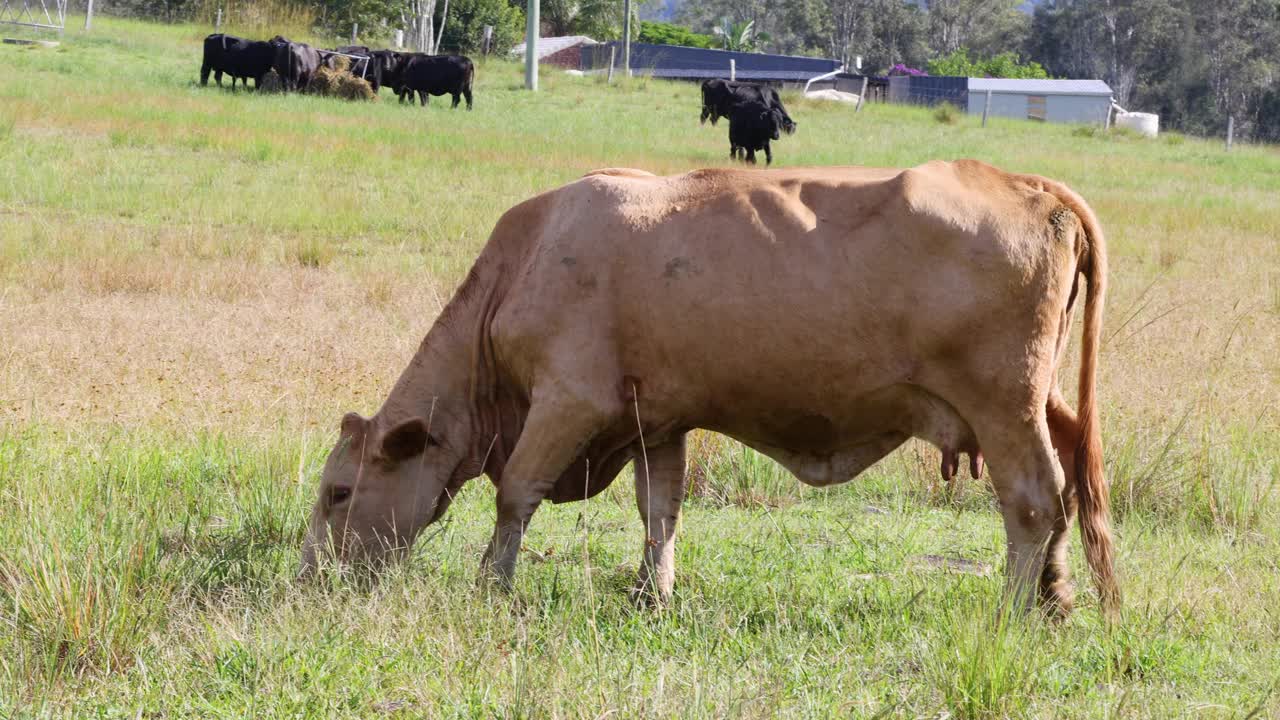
point(768, 155)
point(659, 494)
point(557, 429)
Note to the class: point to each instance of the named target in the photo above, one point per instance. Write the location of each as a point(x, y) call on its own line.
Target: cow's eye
point(338, 494)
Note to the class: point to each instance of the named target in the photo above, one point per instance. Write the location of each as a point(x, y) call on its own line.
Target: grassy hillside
point(195, 284)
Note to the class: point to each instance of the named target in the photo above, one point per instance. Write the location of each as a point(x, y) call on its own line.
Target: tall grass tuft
point(988, 660)
point(310, 252)
point(725, 472)
point(80, 596)
point(948, 114)
point(1237, 480)
point(1224, 479)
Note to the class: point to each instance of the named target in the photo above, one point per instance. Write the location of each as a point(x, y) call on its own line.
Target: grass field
point(195, 284)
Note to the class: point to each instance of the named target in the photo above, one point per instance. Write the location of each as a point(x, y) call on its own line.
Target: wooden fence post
point(488, 39)
point(613, 56)
point(217, 21)
point(88, 15)
point(1231, 130)
point(986, 109)
point(862, 96)
point(355, 28)
point(733, 69)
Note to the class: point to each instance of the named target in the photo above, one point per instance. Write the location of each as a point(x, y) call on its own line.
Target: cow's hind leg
point(659, 494)
point(1056, 592)
point(751, 156)
point(1030, 485)
point(467, 94)
point(559, 426)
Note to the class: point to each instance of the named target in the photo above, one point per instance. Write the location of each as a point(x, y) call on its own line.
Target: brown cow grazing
point(785, 309)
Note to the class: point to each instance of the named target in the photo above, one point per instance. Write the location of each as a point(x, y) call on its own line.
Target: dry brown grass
point(215, 345)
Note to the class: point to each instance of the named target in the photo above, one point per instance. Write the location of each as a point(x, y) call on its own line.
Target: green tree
point(986, 26)
point(1004, 65)
point(1195, 63)
point(335, 17)
point(660, 33)
point(767, 19)
point(464, 30)
point(598, 19)
point(739, 36)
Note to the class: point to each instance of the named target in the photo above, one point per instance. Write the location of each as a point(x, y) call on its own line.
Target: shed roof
point(674, 61)
point(1040, 87)
point(551, 45)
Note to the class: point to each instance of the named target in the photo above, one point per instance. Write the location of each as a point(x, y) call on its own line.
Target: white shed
point(1068, 101)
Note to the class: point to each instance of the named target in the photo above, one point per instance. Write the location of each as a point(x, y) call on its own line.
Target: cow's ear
point(406, 440)
point(353, 426)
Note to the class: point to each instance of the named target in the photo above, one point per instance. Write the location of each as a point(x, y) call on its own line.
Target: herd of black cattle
point(755, 112)
point(296, 63)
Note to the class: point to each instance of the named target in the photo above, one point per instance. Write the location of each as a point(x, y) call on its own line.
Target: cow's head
point(773, 120)
point(381, 485)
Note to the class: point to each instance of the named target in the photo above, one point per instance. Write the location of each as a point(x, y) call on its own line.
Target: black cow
point(384, 69)
point(380, 68)
point(719, 97)
point(295, 63)
point(435, 75)
point(241, 59)
point(751, 126)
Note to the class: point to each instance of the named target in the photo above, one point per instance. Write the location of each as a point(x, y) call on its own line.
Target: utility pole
point(531, 47)
point(626, 38)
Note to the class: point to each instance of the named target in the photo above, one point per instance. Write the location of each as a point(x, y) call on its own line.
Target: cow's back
point(839, 281)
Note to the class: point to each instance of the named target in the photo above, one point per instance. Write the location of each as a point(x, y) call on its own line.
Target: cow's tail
point(1091, 485)
point(466, 83)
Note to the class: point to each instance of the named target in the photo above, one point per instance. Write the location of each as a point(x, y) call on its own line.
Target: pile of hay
point(340, 83)
point(271, 83)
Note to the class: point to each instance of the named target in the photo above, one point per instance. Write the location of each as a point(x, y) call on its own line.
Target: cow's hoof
point(490, 578)
point(1057, 600)
point(650, 592)
point(644, 597)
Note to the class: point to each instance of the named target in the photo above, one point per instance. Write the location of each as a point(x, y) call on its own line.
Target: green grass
point(196, 283)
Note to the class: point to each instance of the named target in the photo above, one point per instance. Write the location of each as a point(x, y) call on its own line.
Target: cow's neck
point(452, 381)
